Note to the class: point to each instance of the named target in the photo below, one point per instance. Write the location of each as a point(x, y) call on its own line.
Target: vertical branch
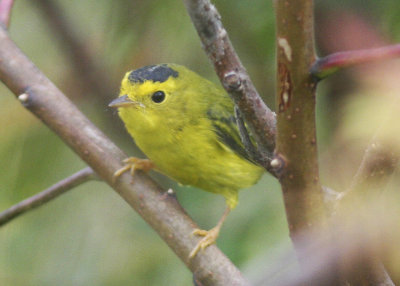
point(296, 150)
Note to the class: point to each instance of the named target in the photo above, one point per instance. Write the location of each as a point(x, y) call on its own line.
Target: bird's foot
point(209, 237)
point(133, 164)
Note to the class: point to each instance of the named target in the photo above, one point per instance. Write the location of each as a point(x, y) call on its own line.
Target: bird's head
point(158, 92)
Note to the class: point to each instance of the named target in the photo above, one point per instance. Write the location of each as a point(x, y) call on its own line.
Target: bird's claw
point(133, 164)
point(209, 237)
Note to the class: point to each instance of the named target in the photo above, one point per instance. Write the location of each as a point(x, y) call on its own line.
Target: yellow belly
point(197, 158)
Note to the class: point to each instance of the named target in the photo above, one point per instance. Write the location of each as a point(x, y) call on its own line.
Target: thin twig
point(233, 76)
point(378, 162)
point(5, 11)
point(160, 209)
point(328, 65)
point(47, 195)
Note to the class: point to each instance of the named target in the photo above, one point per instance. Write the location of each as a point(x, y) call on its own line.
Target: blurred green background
point(90, 236)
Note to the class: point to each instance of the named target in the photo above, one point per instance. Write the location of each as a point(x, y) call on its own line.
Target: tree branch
point(47, 195)
point(157, 207)
point(233, 76)
point(328, 65)
point(296, 150)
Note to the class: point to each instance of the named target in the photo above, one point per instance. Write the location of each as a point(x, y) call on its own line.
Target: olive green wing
point(225, 126)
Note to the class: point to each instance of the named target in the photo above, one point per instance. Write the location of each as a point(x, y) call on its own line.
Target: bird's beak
point(121, 101)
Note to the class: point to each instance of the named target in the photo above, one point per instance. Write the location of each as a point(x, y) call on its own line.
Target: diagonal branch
point(47, 195)
point(158, 208)
point(233, 76)
point(328, 65)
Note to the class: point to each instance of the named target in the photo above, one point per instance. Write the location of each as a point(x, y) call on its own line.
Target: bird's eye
point(158, 96)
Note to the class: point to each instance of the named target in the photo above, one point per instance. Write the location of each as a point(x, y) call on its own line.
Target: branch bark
point(296, 151)
point(157, 207)
point(296, 147)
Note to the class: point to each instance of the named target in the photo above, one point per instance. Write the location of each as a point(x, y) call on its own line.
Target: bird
point(186, 126)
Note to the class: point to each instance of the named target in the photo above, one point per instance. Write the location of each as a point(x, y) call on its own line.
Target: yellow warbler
point(186, 126)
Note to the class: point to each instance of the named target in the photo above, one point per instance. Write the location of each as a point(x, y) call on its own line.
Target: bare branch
point(296, 141)
point(328, 65)
point(157, 207)
point(5, 11)
point(297, 150)
point(47, 195)
point(233, 76)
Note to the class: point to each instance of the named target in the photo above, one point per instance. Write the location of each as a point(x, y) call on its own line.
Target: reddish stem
point(324, 67)
point(5, 11)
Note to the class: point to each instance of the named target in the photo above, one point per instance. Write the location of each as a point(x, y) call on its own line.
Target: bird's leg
point(209, 236)
point(133, 164)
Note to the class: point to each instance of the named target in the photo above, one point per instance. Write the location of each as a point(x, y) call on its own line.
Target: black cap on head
point(154, 73)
